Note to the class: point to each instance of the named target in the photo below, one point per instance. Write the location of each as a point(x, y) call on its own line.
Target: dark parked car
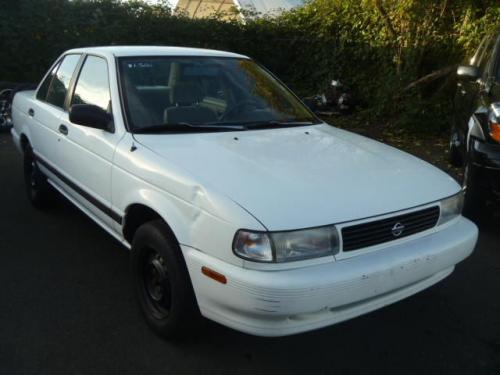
point(475, 136)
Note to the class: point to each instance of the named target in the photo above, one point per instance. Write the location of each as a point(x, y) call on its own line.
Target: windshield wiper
point(275, 124)
point(217, 126)
point(186, 127)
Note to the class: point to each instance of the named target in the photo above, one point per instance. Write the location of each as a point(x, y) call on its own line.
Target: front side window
point(486, 56)
point(497, 60)
point(60, 84)
point(208, 91)
point(479, 52)
point(92, 86)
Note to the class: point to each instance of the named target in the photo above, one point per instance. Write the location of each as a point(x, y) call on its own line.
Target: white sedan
point(235, 200)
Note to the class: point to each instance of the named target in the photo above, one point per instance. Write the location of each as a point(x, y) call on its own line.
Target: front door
point(87, 153)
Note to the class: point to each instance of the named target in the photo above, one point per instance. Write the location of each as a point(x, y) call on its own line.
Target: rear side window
point(92, 86)
point(44, 87)
point(60, 83)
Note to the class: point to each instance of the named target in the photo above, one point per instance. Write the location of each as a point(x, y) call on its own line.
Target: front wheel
point(38, 189)
point(455, 157)
point(476, 196)
point(162, 281)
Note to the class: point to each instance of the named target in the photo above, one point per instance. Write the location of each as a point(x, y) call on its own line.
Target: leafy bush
point(377, 47)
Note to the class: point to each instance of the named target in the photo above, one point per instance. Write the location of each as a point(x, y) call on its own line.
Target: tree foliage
point(377, 47)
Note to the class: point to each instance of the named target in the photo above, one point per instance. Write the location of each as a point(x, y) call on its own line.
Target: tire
point(455, 156)
point(476, 197)
point(5, 109)
point(38, 190)
point(162, 281)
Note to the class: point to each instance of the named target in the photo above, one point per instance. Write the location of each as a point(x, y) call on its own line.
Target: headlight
point(305, 244)
point(494, 120)
point(286, 246)
point(253, 246)
point(451, 208)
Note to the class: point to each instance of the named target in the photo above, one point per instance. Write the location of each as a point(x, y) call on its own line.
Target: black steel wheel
point(162, 281)
point(156, 283)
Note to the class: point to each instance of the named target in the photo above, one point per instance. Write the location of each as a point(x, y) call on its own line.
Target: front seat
point(186, 98)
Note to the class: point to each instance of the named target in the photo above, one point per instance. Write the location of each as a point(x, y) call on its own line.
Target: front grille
point(380, 231)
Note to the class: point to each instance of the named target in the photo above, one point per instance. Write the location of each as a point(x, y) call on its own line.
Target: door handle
point(31, 112)
point(63, 129)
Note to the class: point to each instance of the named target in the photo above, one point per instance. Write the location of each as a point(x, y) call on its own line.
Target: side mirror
point(91, 116)
point(468, 72)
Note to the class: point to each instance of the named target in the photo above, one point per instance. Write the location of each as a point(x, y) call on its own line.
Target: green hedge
point(377, 47)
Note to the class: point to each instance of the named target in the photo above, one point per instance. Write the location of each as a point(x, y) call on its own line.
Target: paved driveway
point(67, 307)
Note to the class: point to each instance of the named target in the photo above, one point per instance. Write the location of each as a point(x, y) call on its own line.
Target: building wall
point(207, 8)
point(270, 7)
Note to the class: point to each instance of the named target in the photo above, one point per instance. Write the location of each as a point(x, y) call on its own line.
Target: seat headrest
point(185, 94)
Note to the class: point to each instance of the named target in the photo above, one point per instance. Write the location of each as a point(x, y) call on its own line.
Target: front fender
point(475, 130)
point(191, 225)
point(199, 217)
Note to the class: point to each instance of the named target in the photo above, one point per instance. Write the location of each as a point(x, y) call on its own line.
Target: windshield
point(205, 94)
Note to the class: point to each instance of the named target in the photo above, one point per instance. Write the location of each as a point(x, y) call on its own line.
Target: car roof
point(121, 51)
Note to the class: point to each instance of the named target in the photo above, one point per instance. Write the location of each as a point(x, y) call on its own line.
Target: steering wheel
point(237, 106)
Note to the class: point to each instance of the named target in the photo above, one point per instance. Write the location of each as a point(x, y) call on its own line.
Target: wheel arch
point(475, 129)
point(191, 225)
point(24, 142)
point(137, 214)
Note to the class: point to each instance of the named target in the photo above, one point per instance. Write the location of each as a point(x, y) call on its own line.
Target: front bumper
point(278, 303)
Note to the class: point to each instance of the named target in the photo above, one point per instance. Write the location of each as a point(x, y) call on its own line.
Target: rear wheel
point(38, 189)
point(162, 281)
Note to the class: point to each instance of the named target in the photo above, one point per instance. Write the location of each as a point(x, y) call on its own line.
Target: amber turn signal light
point(495, 131)
point(214, 275)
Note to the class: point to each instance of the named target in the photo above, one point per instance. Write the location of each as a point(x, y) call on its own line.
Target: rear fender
point(21, 129)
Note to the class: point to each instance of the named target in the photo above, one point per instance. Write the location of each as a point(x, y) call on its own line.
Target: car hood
point(290, 178)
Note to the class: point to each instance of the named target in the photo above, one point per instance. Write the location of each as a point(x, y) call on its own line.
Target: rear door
point(87, 153)
point(50, 99)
